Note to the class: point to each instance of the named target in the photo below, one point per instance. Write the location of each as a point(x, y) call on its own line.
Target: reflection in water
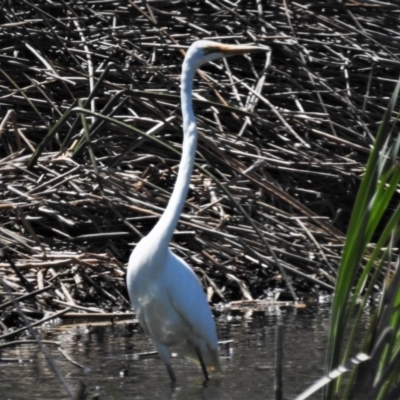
point(114, 372)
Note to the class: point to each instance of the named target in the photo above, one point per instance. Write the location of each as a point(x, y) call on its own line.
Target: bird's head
point(203, 51)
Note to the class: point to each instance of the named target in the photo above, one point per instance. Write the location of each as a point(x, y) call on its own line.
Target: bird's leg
point(171, 373)
point(166, 357)
point(203, 366)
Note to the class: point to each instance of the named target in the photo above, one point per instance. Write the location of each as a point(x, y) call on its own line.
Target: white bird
point(166, 295)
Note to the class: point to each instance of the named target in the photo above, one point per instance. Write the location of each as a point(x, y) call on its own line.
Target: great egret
point(164, 291)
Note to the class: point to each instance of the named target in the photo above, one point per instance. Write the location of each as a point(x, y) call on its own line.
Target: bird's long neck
point(165, 227)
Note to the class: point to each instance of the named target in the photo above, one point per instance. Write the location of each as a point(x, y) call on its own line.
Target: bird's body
point(174, 291)
point(164, 291)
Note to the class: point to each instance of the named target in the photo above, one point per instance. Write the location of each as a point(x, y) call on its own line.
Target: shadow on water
point(113, 372)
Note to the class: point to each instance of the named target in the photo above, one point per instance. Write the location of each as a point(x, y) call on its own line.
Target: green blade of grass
point(356, 245)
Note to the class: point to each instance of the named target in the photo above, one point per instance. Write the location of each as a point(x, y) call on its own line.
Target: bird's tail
point(209, 355)
point(212, 362)
point(210, 358)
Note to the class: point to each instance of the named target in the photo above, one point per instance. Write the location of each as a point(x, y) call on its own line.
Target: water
point(112, 372)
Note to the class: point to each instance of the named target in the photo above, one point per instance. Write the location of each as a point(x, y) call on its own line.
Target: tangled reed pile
point(289, 140)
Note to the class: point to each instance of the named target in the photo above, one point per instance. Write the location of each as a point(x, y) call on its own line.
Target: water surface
point(113, 372)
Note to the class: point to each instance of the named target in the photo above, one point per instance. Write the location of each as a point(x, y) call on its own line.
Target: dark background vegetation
point(293, 159)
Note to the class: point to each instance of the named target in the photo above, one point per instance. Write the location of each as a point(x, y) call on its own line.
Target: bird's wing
point(189, 299)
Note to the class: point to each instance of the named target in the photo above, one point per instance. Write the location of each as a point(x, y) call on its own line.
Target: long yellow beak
point(233, 49)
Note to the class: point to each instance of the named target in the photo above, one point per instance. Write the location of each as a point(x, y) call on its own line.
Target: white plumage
point(164, 291)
